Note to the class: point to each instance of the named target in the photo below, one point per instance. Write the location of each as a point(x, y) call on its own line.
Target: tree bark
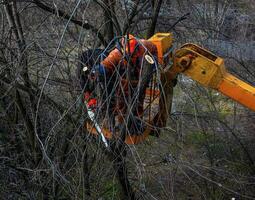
point(108, 23)
point(152, 27)
point(15, 25)
point(119, 163)
point(80, 23)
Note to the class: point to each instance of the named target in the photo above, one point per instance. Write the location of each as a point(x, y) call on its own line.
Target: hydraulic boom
point(205, 68)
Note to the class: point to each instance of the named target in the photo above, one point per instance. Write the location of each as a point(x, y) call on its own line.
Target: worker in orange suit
point(127, 64)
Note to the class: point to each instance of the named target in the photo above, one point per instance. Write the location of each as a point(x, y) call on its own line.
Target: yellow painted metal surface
point(163, 41)
point(201, 66)
point(204, 67)
point(209, 70)
point(238, 90)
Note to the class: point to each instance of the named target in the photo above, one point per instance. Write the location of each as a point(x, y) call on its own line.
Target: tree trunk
point(152, 27)
point(108, 20)
point(119, 155)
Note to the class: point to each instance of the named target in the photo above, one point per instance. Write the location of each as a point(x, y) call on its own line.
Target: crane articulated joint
point(209, 70)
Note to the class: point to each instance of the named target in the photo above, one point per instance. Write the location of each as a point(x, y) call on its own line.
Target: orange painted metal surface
point(151, 109)
point(130, 139)
point(209, 70)
point(136, 139)
point(238, 90)
point(92, 130)
point(163, 42)
point(200, 65)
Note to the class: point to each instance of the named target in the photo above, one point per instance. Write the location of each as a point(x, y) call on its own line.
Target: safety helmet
point(129, 44)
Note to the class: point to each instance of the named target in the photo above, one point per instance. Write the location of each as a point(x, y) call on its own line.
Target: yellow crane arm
point(209, 70)
point(203, 67)
point(238, 90)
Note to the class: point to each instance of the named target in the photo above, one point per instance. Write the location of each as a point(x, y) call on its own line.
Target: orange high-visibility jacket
point(115, 59)
point(116, 56)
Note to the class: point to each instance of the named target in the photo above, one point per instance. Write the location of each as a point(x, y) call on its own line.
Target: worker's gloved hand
point(92, 103)
point(102, 72)
point(100, 69)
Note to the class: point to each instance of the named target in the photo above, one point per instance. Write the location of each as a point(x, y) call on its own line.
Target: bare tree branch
point(80, 23)
point(156, 11)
